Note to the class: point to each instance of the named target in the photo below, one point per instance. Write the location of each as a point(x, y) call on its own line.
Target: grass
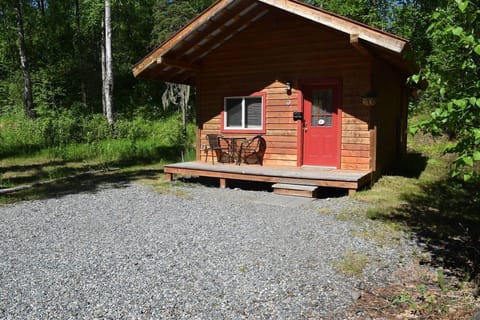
point(351, 263)
point(420, 198)
point(384, 233)
point(160, 185)
point(75, 152)
point(65, 177)
point(440, 211)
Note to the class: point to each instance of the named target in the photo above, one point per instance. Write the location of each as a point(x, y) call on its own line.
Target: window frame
point(259, 130)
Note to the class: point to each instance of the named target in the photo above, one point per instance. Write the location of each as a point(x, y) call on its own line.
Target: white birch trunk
point(108, 65)
point(27, 82)
point(102, 50)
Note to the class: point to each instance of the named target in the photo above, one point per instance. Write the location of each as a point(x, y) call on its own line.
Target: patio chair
point(219, 147)
point(253, 150)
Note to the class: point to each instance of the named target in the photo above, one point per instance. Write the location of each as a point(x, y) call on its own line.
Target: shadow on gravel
point(445, 218)
point(322, 192)
point(83, 182)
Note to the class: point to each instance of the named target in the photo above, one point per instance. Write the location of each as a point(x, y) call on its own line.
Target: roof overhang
point(179, 58)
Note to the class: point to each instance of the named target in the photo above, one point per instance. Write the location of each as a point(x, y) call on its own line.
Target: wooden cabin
point(328, 94)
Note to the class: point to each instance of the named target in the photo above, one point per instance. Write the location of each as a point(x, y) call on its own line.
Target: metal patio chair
point(218, 147)
point(253, 150)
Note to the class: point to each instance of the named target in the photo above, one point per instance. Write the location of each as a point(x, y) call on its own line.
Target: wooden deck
point(313, 176)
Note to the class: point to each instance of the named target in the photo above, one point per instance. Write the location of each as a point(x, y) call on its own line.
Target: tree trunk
point(27, 82)
point(108, 65)
point(102, 51)
point(41, 6)
point(78, 55)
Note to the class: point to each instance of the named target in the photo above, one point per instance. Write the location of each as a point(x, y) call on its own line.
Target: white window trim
point(242, 127)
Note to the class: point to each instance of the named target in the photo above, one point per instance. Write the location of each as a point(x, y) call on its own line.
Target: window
point(244, 113)
point(322, 108)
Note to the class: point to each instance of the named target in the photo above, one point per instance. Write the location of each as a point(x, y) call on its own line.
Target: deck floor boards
point(317, 176)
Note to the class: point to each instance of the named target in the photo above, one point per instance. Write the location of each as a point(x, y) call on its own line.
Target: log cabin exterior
point(280, 57)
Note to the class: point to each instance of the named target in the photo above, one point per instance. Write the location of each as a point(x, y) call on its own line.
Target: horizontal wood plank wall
point(356, 130)
point(278, 48)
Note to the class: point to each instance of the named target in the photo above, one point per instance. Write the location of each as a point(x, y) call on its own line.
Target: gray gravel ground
point(204, 253)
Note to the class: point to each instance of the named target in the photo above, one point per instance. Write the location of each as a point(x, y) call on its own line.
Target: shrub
point(70, 135)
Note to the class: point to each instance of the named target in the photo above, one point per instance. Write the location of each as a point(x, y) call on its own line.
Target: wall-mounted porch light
point(370, 99)
point(288, 87)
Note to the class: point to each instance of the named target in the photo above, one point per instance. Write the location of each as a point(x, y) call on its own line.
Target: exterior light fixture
point(288, 87)
point(370, 99)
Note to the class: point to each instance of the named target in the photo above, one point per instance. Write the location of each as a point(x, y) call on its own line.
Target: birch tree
point(27, 82)
point(107, 63)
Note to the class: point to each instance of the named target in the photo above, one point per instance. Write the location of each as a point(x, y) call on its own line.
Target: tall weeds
point(70, 135)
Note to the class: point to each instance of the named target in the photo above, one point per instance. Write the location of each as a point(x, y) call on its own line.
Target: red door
point(321, 139)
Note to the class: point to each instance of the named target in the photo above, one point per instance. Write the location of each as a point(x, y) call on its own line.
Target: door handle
point(305, 124)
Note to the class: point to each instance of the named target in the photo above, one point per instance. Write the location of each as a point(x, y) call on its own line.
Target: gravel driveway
point(126, 252)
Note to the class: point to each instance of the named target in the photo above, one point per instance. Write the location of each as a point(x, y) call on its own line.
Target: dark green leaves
point(452, 70)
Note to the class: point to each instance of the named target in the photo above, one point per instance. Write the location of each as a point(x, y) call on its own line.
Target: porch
point(295, 176)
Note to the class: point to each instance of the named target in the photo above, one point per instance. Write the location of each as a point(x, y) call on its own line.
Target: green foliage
point(452, 73)
point(441, 280)
point(170, 16)
point(63, 48)
point(373, 13)
point(68, 135)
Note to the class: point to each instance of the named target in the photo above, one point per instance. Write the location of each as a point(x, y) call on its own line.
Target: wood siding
point(278, 48)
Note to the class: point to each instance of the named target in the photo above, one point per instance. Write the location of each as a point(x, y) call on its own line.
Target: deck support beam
point(223, 183)
point(169, 177)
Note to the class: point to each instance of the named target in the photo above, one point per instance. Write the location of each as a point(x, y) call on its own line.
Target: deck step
point(295, 190)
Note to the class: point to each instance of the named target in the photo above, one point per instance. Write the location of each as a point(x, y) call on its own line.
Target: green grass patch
point(383, 233)
point(351, 263)
point(160, 185)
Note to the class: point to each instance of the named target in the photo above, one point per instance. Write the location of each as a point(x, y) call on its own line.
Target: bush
point(69, 135)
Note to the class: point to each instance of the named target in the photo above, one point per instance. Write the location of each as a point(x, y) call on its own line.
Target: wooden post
point(223, 183)
point(169, 177)
point(351, 192)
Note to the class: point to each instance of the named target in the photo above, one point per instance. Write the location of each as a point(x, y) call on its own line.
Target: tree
point(170, 16)
point(178, 95)
point(452, 71)
point(410, 19)
point(27, 82)
point(108, 79)
point(371, 12)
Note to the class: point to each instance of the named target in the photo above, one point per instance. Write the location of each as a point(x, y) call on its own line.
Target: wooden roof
point(178, 58)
